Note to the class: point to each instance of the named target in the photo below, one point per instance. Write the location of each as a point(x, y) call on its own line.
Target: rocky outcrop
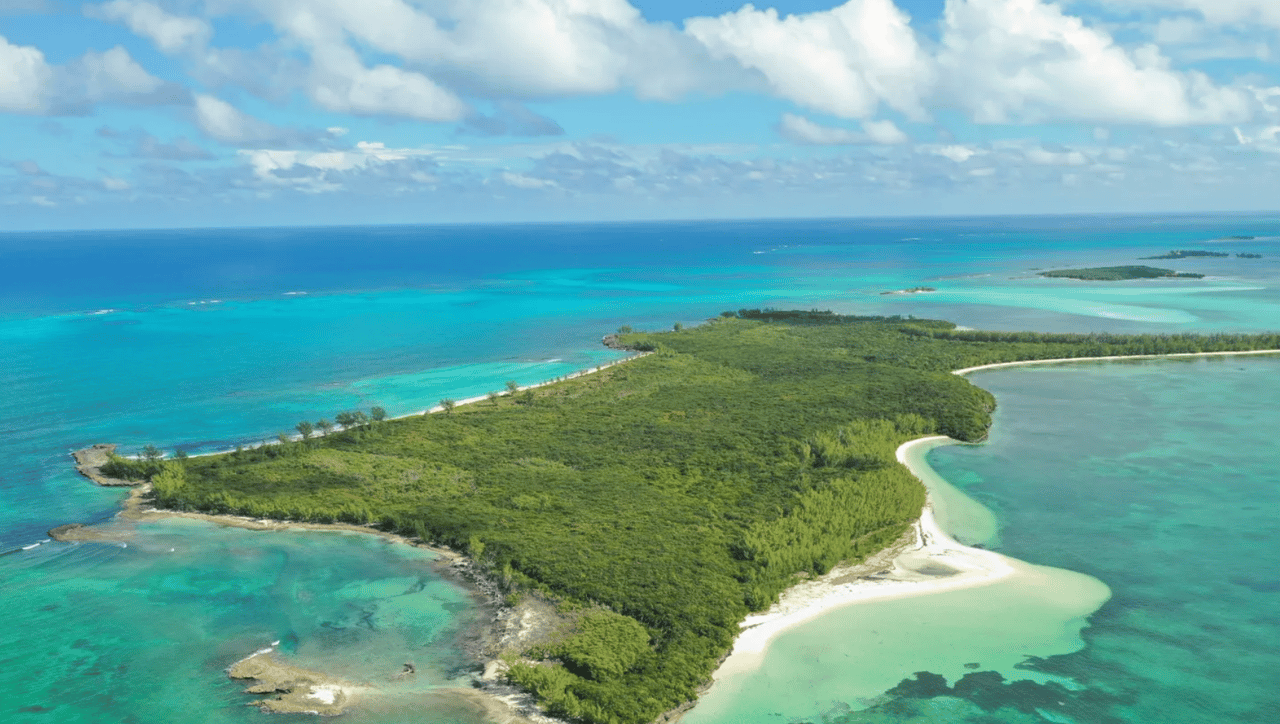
point(90, 460)
point(297, 691)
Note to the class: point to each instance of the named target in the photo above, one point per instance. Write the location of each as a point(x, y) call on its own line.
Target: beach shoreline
point(926, 560)
point(925, 545)
point(503, 624)
point(1113, 358)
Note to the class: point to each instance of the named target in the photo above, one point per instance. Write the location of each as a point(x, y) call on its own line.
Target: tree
point(493, 397)
point(377, 414)
point(305, 429)
point(512, 387)
point(345, 419)
point(625, 329)
point(448, 405)
point(359, 419)
point(180, 455)
point(677, 327)
point(325, 426)
point(283, 437)
point(151, 453)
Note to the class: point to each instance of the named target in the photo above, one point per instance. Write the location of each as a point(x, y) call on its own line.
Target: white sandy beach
point(936, 562)
point(917, 570)
point(1062, 360)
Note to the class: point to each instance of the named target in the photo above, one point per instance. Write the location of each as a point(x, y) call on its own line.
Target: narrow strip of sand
point(1061, 360)
point(927, 561)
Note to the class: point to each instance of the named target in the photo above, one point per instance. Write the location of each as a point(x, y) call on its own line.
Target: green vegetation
point(912, 290)
point(1119, 273)
point(1187, 254)
point(662, 499)
point(1246, 255)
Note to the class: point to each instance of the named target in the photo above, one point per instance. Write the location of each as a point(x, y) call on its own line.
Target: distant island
point(912, 290)
point(1236, 238)
point(1249, 256)
point(649, 507)
point(1187, 254)
point(1119, 273)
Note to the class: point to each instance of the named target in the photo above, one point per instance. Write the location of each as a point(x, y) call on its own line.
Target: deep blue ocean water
point(204, 339)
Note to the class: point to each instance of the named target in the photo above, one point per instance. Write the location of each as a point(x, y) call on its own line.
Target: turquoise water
point(1157, 479)
point(202, 340)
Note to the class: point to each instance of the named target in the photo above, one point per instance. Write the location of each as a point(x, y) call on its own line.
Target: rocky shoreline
point(90, 460)
point(500, 629)
point(297, 690)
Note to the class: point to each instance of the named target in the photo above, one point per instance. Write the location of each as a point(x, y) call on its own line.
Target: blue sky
point(157, 113)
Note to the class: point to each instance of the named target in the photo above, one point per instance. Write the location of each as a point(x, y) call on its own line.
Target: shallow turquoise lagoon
point(142, 629)
point(1159, 479)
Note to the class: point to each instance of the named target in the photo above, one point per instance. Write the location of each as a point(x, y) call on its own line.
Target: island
point(1119, 273)
point(912, 290)
point(1188, 254)
point(643, 511)
point(1246, 255)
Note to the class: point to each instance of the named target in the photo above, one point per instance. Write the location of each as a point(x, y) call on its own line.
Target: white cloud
point(341, 82)
point(170, 33)
point(1025, 61)
point(315, 170)
point(30, 85)
point(802, 130)
point(845, 61)
point(522, 181)
point(956, 153)
point(25, 78)
point(223, 122)
point(884, 132)
point(1043, 157)
point(1264, 139)
point(111, 183)
point(1223, 12)
point(113, 74)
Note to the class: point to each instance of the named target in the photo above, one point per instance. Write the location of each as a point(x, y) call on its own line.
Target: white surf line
point(1061, 360)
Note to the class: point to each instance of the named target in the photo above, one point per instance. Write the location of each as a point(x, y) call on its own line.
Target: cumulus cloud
point(845, 61)
point(113, 74)
point(25, 78)
point(31, 85)
point(170, 33)
point(1004, 61)
point(341, 82)
point(1025, 61)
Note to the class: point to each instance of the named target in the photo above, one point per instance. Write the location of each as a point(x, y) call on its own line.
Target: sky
point(180, 113)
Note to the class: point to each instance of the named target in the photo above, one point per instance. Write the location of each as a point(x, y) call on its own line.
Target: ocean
point(1153, 478)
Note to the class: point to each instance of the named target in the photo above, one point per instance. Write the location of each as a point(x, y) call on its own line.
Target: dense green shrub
point(673, 494)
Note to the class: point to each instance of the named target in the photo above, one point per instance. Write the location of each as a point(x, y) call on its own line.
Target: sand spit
point(1062, 360)
point(926, 560)
point(297, 690)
